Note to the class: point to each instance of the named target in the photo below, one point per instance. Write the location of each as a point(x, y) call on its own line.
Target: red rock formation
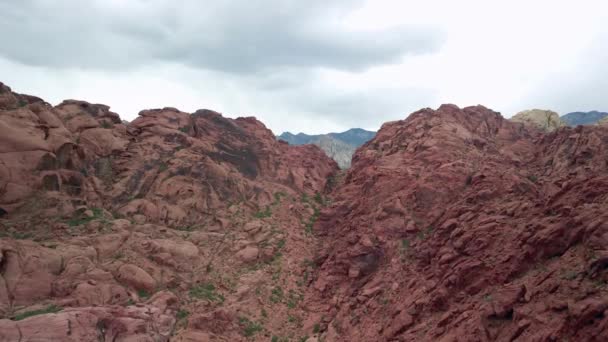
point(200, 205)
point(459, 225)
point(452, 225)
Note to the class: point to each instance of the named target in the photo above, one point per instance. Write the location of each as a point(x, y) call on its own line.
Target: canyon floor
point(454, 224)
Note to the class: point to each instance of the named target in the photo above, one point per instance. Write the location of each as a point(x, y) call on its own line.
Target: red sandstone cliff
point(459, 225)
point(173, 225)
point(452, 225)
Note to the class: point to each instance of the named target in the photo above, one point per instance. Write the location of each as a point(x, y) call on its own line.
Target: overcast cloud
point(311, 66)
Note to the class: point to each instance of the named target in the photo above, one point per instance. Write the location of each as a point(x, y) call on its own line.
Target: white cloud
point(304, 66)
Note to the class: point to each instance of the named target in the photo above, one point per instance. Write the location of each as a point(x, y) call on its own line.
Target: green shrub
point(312, 220)
point(250, 327)
point(49, 309)
point(263, 214)
point(77, 221)
point(277, 197)
point(293, 299)
point(143, 294)
point(276, 295)
point(304, 198)
point(182, 314)
point(206, 291)
point(318, 198)
point(281, 244)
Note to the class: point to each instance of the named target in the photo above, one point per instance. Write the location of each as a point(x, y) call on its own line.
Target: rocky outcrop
point(147, 167)
point(451, 225)
point(545, 120)
point(174, 225)
point(337, 150)
point(458, 225)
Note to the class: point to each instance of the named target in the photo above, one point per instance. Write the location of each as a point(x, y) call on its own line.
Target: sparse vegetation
point(319, 199)
point(277, 294)
point(423, 234)
point(106, 124)
point(294, 320)
point(143, 294)
point(293, 299)
point(569, 275)
point(185, 228)
point(263, 214)
point(405, 245)
point(182, 314)
point(206, 291)
point(163, 167)
point(281, 244)
point(185, 129)
point(278, 196)
point(533, 178)
point(250, 327)
point(316, 328)
point(312, 220)
point(118, 256)
point(49, 309)
point(80, 220)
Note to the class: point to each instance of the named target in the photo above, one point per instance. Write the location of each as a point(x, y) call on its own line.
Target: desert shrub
point(250, 327)
point(263, 214)
point(49, 309)
point(206, 291)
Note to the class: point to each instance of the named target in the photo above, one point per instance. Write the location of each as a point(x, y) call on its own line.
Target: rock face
point(458, 225)
point(583, 118)
point(337, 150)
point(338, 146)
point(544, 119)
point(451, 225)
point(172, 226)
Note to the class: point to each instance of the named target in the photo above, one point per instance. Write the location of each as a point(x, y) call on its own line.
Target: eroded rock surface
point(543, 119)
point(458, 225)
point(174, 226)
point(452, 225)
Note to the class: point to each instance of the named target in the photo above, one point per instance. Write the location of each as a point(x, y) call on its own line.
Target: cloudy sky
point(312, 66)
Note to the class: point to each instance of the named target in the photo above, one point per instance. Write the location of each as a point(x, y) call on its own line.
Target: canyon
point(453, 224)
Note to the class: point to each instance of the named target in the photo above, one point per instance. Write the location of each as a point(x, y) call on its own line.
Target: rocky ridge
point(544, 119)
point(458, 225)
point(175, 225)
point(454, 224)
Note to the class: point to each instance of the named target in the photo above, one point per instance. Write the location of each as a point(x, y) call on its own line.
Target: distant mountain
point(354, 136)
point(339, 146)
point(583, 118)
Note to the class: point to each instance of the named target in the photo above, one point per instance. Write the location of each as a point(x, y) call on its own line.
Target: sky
point(309, 66)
